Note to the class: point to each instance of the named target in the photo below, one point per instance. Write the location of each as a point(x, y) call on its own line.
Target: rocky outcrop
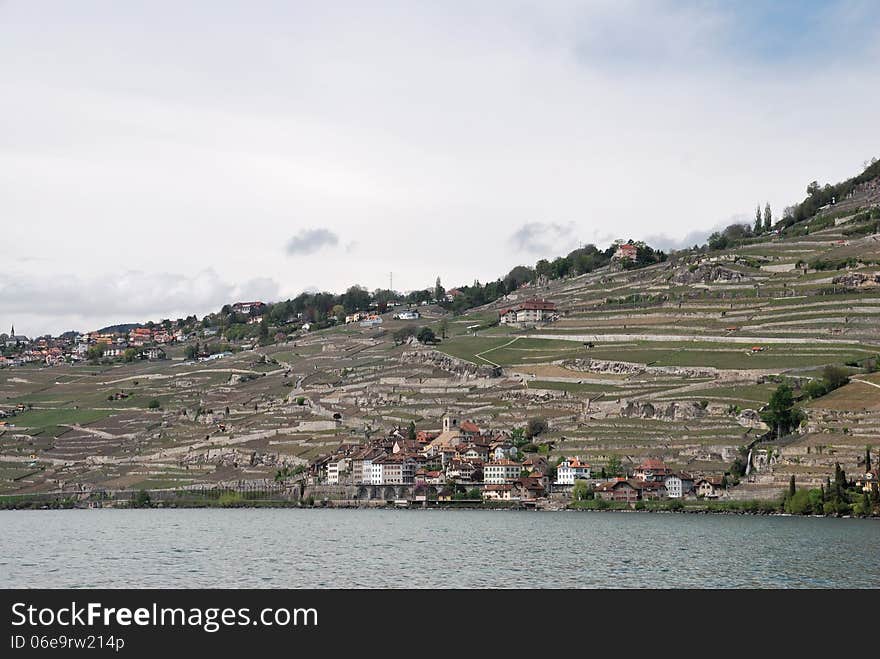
point(450, 364)
point(751, 419)
point(706, 273)
point(857, 279)
point(663, 411)
point(633, 368)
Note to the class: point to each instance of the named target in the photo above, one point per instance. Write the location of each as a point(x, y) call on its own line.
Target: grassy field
point(49, 420)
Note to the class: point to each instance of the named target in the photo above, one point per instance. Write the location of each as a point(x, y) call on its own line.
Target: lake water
point(307, 548)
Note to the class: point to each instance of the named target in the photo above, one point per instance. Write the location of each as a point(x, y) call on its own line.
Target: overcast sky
point(163, 159)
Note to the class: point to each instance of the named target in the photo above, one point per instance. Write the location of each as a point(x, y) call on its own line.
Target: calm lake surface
point(287, 548)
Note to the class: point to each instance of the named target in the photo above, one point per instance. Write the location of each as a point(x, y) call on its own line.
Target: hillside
point(672, 360)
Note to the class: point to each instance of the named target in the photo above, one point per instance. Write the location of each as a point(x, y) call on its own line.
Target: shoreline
point(444, 506)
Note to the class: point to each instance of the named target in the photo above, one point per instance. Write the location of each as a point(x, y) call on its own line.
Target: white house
point(530, 311)
point(503, 451)
point(153, 352)
point(392, 470)
point(499, 472)
point(710, 489)
point(334, 469)
point(571, 469)
point(677, 485)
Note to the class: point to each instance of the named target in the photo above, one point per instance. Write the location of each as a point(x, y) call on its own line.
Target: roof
point(469, 426)
point(653, 464)
point(575, 463)
point(613, 485)
point(448, 438)
point(531, 305)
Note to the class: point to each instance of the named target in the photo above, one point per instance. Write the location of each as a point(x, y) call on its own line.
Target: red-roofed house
point(626, 252)
point(652, 470)
point(469, 428)
point(530, 311)
point(571, 469)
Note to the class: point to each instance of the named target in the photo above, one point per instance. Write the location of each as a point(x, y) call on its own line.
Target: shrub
point(141, 500)
point(535, 427)
point(154, 404)
point(581, 491)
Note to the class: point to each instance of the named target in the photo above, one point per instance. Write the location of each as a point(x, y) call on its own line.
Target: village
point(463, 462)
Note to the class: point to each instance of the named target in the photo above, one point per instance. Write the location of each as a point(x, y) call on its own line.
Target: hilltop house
point(248, 307)
point(625, 252)
point(530, 311)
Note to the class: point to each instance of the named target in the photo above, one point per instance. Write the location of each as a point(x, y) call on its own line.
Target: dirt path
point(479, 355)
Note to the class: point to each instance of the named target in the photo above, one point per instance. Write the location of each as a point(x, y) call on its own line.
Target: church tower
point(450, 422)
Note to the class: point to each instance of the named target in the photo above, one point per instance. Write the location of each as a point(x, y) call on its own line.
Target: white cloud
point(546, 239)
point(424, 135)
point(309, 241)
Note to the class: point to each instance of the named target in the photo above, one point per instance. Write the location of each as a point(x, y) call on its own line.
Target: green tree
point(264, 330)
point(758, 221)
point(411, 431)
point(426, 335)
point(141, 500)
point(781, 414)
point(444, 328)
point(518, 437)
point(403, 334)
point(154, 404)
point(791, 487)
point(95, 352)
point(768, 218)
point(543, 268)
point(867, 459)
point(614, 468)
point(130, 354)
point(439, 291)
point(866, 507)
point(834, 377)
point(581, 491)
point(192, 351)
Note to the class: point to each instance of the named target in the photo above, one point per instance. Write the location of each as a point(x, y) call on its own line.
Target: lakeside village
point(463, 463)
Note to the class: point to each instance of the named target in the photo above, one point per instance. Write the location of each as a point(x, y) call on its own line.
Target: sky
point(160, 159)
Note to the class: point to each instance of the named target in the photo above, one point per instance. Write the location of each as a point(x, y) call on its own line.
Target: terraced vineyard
point(670, 361)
